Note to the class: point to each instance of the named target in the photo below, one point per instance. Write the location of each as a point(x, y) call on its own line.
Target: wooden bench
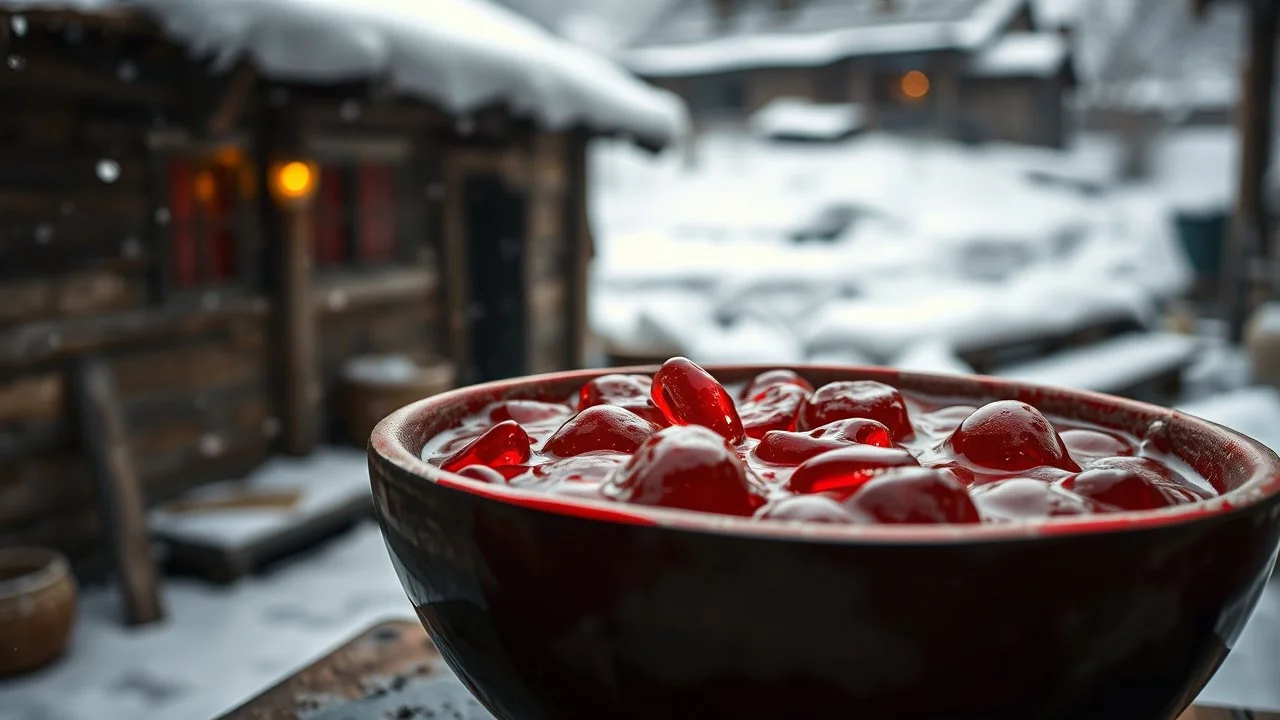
point(393, 670)
point(1146, 366)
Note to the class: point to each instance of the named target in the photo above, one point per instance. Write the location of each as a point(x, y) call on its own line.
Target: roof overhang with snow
point(461, 55)
point(815, 49)
point(1022, 54)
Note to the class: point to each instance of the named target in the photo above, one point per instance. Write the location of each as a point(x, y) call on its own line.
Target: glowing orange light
point(205, 187)
point(915, 84)
point(294, 180)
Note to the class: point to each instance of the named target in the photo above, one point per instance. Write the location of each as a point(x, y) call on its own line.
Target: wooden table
point(392, 670)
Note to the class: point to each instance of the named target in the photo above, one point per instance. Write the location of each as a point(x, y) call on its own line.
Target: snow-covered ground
point(908, 242)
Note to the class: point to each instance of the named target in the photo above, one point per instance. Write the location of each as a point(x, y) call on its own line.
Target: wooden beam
point(230, 109)
point(577, 236)
point(454, 262)
point(393, 285)
point(1247, 244)
point(299, 348)
point(43, 342)
point(102, 424)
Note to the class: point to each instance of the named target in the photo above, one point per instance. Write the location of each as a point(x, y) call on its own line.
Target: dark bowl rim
point(1263, 482)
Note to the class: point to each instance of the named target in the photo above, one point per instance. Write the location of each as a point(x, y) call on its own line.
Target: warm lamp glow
point(915, 85)
point(293, 181)
point(205, 187)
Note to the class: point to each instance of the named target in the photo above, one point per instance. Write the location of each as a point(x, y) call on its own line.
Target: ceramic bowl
point(37, 608)
point(551, 608)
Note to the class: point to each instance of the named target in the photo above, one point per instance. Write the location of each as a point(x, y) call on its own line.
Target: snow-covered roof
point(1057, 13)
point(798, 118)
point(1022, 54)
point(459, 54)
point(692, 40)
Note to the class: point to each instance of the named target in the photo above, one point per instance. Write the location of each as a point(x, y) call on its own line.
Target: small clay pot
point(37, 608)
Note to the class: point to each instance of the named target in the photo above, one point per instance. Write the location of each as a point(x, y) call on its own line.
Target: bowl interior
point(1242, 470)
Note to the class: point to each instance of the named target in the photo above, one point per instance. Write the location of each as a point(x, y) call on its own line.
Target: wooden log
point(235, 98)
point(44, 486)
point(25, 169)
point(205, 364)
point(354, 293)
point(577, 234)
point(47, 341)
point(49, 75)
point(102, 425)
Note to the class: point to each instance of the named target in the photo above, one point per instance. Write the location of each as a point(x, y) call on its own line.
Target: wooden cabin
point(222, 240)
point(970, 70)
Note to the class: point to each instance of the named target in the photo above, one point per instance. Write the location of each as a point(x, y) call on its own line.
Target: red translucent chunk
point(1026, 499)
point(1085, 445)
point(807, 508)
point(846, 469)
point(587, 467)
point(793, 448)
point(1170, 482)
point(857, 399)
point(773, 378)
point(503, 444)
point(774, 408)
point(626, 391)
point(528, 412)
point(688, 395)
point(1011, 436)
point(913, 495)
point(614, 389)
point(601, 427)
point(690, 467)
point(1118, 489)
point(483, 473)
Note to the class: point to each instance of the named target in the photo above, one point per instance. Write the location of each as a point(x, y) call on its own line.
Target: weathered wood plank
point(50, 75)
point(26, 169)
point(102, 425)
point(298, 329)
point(43, 486)
point(186, 370)
point(34, 398)
point(82, 206)
point(47, 341)
point(353, 293)
point(69, 530)
point(74, 295)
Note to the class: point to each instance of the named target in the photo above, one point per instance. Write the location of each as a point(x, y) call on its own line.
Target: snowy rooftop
point(692, 39)
point(460, 54)
point(1023, 54)
point(798, 118)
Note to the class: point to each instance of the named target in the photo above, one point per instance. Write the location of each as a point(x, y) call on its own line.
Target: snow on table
point(799, 118)
point(1111, 365)
point(462, 54)
point(329, 479)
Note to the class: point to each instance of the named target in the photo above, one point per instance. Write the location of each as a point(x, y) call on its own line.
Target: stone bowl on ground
point(549, 607)
point(37, 608)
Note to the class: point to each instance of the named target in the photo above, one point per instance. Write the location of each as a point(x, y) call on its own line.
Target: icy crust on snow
point(461, 54)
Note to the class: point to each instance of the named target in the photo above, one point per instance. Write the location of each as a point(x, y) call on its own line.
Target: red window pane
point(329, 219)
point(186, 268)
point(221, 225)
point(377, 211)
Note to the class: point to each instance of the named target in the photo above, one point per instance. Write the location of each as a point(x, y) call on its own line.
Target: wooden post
point(577, 234)
point(123, 504)
point(297, 313)
point(1247, 244)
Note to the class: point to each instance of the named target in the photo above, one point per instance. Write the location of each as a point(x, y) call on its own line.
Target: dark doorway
point(495, 256)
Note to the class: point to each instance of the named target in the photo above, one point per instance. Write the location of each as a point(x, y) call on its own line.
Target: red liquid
point(777, 449)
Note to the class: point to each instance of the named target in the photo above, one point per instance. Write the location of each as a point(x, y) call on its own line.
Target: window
point(204, 203)
point(356, 215)
point(720, 94)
